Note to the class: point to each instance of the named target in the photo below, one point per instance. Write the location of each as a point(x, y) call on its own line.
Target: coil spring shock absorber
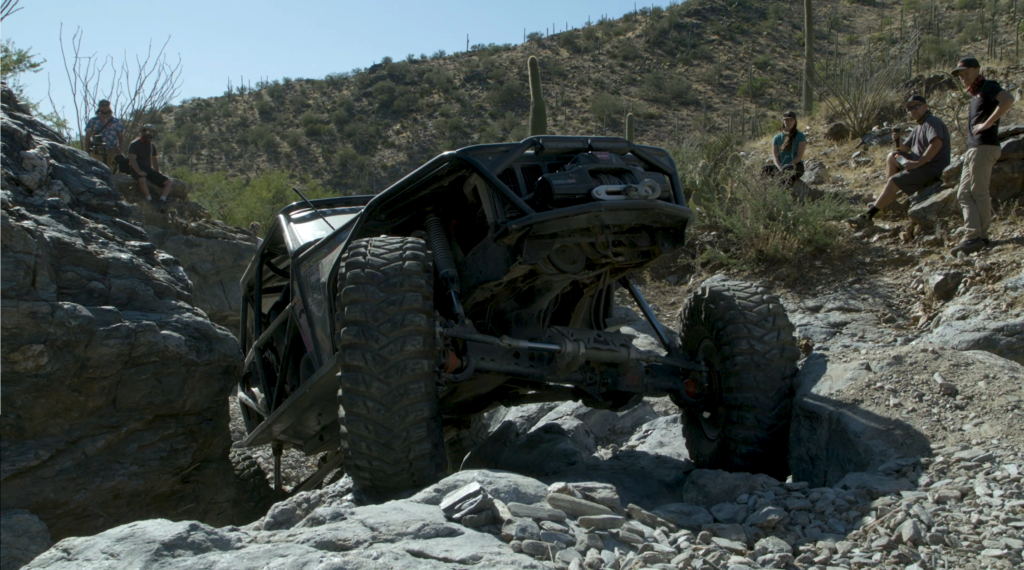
point(444, 260)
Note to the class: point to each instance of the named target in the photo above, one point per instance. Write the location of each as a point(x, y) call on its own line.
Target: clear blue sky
point(298, 38)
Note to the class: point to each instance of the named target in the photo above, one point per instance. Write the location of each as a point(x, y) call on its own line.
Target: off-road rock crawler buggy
point(487, 277)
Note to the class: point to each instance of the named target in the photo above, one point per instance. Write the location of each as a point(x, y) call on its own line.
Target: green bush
point(238, 202)
point(406, 103)
point(754, 87)
point(363, 136)
point(506, 95)
point(261, 136)
point(763, 62)
point(668, 90)
point(265, 109)
point(293, 139)
point(607, 109)
point(757, 222)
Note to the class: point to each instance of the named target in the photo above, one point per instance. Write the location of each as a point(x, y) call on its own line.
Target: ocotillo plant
point(538, 114)
point(629, 127)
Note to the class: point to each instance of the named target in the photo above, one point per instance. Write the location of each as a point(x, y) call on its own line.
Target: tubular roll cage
point(465, 156)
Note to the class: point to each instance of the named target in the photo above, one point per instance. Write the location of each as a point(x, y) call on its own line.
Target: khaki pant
point(973, 193)
point(106, 158)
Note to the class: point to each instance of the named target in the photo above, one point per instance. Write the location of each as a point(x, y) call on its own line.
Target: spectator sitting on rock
point(787, 151)
point(104, 135)
point(145, 166)
point(917, 162)
point(989, 101)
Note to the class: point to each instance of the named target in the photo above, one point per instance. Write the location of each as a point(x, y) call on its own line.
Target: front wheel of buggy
point(391, 429)
point(740, 331)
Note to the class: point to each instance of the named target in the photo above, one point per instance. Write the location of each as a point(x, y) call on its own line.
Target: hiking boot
point(970, 246)
point(860, 221)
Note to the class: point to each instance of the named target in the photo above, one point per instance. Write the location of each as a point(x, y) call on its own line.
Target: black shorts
point(153, 176)
point(913, 181)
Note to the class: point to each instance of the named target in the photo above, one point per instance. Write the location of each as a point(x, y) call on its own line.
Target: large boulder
point(1012, 148)
point(401, 535)
point(22, 537)
point(214, 255)
point(941, 205)
point(114, 384)
point(1007, 182)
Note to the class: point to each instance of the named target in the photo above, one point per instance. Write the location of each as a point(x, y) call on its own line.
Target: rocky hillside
point(703, 66)
point(113, 378)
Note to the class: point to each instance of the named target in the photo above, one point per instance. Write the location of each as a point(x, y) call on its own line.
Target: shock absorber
point(444, 260)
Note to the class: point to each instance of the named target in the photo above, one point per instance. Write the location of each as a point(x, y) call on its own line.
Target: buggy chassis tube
point(490, 174)
point(630, 285)
point(577, 349)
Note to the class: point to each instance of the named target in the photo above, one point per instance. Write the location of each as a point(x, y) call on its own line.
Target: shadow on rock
point(549, 453)
point(830, 439)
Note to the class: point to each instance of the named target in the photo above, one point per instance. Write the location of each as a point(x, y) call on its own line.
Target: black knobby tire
point(741, 332)
point(391, 428)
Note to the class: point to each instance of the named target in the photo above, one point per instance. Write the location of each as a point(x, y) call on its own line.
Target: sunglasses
point(914, 107)
point(104, 112)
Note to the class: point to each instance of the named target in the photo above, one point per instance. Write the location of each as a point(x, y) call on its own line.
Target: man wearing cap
point(145, 166)
point(104, 135)
point(917, 162)
point(989, 102)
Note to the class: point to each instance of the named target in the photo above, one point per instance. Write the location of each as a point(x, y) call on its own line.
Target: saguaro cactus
point(629, 127)
point(808, 85)
point(538, 114)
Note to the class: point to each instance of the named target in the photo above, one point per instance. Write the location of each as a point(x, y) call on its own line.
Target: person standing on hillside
point(989, 102)
point(917, 162)
point(142, 158)
point(788, 149)
point(104, 135)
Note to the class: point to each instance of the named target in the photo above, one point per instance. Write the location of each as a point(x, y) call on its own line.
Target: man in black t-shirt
point(989, 101)
point(145, 165)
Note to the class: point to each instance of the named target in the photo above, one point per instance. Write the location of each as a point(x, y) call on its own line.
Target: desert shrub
point(340, 119)
point(667, 89)
point(763, 62)
point(293, 139)
point(363, 136)
point(237, 201)
point(570, 42)
point(607, 109)
point(937, 53)
point(758, 222)
point(508, 94)
point(754, 87)
point(265, 109)
point(384, 93)
point(624, 50)
point(438, 79)
point(859, 92)
point(261, 136)
point(406, 103)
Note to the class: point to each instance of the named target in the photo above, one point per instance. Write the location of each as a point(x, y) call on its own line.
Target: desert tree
point(137, 89)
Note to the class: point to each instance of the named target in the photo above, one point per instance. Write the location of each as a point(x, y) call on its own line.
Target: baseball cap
point(789, 115)
point(916, 99)
point(965, 63)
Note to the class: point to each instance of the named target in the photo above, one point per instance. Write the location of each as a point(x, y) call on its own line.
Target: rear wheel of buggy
point(391, 429)
point(740, 331)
